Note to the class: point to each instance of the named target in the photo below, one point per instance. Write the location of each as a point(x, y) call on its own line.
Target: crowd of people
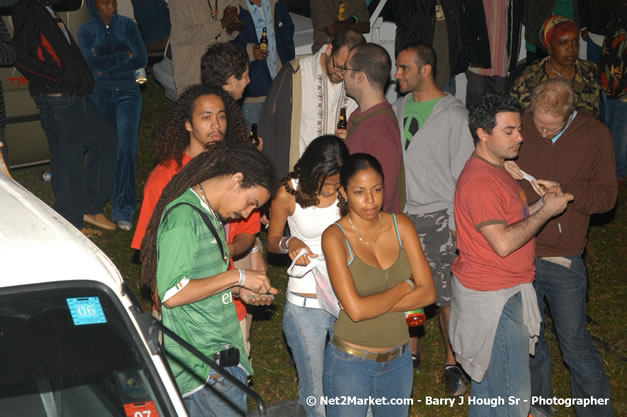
point(480, 207)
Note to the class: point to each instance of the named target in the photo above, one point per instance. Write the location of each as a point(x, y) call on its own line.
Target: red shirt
point(157, 181)
point(375, 131)
point(487, 194)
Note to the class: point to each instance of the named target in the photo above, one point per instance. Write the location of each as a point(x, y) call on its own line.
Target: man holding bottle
point(268, 37)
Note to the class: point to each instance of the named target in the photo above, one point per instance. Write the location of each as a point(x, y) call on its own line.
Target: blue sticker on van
point(86, 310)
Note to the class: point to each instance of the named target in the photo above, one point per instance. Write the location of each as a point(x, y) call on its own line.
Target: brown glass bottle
point(342, 123)
point(263, 42)
point(254, 139)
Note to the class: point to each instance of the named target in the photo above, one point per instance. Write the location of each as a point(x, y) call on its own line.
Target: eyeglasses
point(340, 68)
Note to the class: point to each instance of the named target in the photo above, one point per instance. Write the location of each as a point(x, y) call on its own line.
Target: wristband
point(242, 277)
point(411, 283)
point(284, 244)
point(541, 202)
point(257, 248)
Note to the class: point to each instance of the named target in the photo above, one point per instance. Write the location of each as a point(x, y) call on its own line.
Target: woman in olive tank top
point(378, 271)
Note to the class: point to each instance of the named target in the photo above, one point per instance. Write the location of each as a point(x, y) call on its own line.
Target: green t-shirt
point(416, 113)
point(186, 248)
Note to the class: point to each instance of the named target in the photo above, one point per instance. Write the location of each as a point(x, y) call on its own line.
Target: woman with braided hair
point(307, 202)
point(186, 256)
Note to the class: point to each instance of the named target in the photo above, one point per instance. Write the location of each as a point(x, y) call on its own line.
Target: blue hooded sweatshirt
point(114, 52)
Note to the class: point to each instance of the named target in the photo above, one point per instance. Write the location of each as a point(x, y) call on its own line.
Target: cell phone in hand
point(252, 297)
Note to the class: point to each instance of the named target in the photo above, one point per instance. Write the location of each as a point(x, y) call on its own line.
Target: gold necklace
point(359, 236)
point(209, 206)
point(557, 72)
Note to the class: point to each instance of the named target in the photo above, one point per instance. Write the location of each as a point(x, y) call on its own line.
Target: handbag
point(324, 290)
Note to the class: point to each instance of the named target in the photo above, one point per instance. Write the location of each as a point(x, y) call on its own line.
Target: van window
point(57, 5)
point(71, 350)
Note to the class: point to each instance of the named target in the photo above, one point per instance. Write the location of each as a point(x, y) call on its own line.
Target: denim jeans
point(615, 114)
point(507, 375)
point(74, 125)
point(306, 331)
point(123, 109)
point(347, 376)
point(219, 397)
point(251, 112)
point(564, 289)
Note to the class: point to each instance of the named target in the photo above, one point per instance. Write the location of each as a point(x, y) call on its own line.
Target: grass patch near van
point(275, 376)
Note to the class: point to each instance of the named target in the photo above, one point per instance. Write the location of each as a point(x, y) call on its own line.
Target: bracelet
point(242, 277)
point(541, 202)
point(284, 244)
point(354, 17)
point(411, 283)
point(257, 248)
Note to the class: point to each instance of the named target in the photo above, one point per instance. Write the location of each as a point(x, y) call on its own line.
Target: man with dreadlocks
point(202, 115)
point(186, 251)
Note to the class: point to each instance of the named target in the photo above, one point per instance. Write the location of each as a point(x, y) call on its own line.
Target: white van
point(70, 341)
point(73, 339)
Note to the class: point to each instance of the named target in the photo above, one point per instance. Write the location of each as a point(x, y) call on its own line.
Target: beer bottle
point(254, 139)
point(415, 318)
point(341, 12)
point(342, 123)
point(140, 76)
point(263, 42)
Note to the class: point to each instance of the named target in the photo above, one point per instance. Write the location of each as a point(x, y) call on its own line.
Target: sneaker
point(416, 360)
point(454, 381)
point(125, 225)
point(99, 220)
point(90, 233)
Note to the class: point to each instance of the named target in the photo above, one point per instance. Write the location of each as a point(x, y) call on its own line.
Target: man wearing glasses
point(305, 101)
point(373, 128)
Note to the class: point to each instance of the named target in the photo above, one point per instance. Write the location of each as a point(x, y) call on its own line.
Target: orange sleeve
point(251, 225)
point(158, 179)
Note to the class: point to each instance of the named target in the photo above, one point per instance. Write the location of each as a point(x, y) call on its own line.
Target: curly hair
point(223, 159)
point(483, 115)
point(171, 139)
point(322, 158)
point(222, 60)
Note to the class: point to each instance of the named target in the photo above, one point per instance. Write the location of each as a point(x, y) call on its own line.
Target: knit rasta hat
point(556, 26)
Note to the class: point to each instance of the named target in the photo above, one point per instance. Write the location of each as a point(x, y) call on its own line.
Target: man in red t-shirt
point(494, 311)
point(202, 115)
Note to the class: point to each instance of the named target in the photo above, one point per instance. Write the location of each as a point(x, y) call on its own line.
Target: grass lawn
point(275, 376)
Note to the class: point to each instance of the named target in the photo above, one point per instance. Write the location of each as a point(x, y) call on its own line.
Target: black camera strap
point(207, 221)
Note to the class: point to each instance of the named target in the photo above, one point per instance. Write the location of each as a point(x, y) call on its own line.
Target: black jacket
point(44, 56)
point(476, 37)
point(7, 58)
point(415, 22)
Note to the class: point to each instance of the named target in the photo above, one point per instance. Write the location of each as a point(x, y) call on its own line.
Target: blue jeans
point(74, 125)
point(565, 292)
point(615, 113)
point(306, 331)
point(346, 376)
point(508, 373)
point(123, 109)
point(219, 397)
point(251, 112)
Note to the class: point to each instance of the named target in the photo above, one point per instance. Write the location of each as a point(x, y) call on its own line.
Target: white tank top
point(307, 224)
